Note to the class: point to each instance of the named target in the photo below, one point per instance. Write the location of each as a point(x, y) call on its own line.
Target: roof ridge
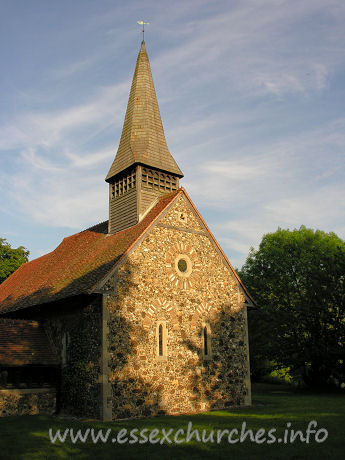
point(75, 267)
point(96, 225)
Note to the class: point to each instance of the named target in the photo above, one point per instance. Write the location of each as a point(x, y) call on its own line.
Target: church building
point(139, 315)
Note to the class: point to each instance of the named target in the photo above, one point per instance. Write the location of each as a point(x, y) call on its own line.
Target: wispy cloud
point(73, 68)
point(294, 182)
point(48, 129)
point(90, 159)
point(322, 209)
point(291, 53)
point(246, 88)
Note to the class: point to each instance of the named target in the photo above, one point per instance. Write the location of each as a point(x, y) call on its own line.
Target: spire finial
point(142, 23)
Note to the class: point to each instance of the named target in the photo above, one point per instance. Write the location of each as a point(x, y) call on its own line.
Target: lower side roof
point(23, 343)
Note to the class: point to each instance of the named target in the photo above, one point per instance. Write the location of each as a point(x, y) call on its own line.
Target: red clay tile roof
point(75, 266)
point(24, 343)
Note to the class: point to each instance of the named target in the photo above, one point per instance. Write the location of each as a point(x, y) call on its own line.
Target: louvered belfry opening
point(143, 168)
point(123, 183)
point(156, 180)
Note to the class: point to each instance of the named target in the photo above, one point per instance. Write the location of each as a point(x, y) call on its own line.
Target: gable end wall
point(149, 292)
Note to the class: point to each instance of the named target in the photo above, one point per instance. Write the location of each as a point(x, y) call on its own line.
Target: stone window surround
point(186, 280)
point(165, 336)
point(208, 356)
point(189, 270)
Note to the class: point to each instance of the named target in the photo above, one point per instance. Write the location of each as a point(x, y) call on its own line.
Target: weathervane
point(142, 23)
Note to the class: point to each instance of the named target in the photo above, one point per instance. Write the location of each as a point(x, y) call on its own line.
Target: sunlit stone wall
point(149, 290)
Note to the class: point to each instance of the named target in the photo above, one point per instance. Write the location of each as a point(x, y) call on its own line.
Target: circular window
point(183, 265)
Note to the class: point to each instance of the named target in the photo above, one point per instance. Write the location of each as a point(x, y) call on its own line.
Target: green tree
point(298, 280)
point(11, 259)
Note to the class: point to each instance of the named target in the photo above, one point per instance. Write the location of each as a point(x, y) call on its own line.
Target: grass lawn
point(273, 407)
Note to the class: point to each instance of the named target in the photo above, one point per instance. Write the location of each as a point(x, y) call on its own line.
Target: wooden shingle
point(142, 140)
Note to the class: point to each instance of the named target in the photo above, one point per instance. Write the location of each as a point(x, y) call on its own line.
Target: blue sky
point(252, 98)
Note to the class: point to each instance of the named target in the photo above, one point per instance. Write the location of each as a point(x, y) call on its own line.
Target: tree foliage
point(11, 259)
point(298, 279)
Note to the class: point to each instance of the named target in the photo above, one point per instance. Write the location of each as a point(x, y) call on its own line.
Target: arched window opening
point(160, 340)
point(205, 341)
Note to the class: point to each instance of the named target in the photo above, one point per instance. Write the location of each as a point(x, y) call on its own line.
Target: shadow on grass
point(28, 438)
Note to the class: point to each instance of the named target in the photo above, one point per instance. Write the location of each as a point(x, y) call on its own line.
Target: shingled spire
point(143, 168)
point(142, 140)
